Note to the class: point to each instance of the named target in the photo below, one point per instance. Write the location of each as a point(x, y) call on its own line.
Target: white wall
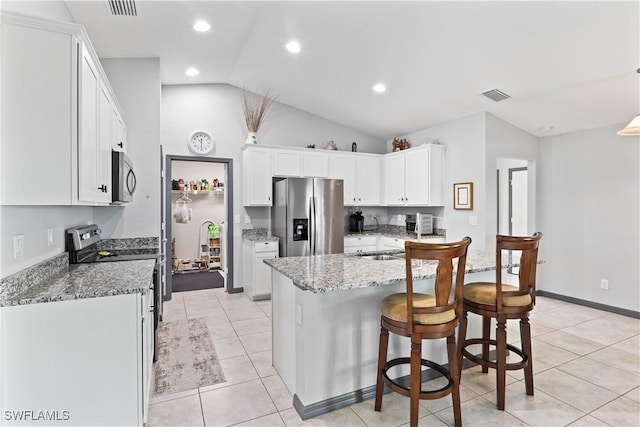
point(507, 141)
point(205, 206)
point(49, 9)
point(136, 82)
point(589, 212)
point(216, 109)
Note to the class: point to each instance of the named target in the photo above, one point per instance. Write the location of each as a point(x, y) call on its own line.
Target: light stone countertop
point(91, 280)
point(328, 273)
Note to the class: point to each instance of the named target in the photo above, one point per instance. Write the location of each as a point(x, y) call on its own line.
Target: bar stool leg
point(382, 359)
point(454, 361)
point(501, 360)
point(525, 338)
point(462, 336)
point(416, 379)
point(486, 336)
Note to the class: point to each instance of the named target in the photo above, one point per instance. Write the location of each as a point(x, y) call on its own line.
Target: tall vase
point(251, 139)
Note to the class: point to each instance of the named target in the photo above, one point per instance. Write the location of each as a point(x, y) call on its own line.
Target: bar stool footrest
point(490, 363)
point(431, 394)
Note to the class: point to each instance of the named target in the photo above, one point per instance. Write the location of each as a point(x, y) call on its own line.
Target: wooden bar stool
point(424, 316)
point(503, 302)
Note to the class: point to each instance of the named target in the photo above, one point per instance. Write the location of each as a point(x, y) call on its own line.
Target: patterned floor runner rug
point(187, 358)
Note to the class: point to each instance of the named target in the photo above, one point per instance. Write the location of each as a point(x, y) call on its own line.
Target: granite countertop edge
point(329, 273)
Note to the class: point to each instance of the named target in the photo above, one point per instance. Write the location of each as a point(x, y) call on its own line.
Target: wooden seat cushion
point(485, 293)
point(394, 307)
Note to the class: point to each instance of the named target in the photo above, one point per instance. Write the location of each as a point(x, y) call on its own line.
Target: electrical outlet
point(298, 314)
point(604, 283)
point(49, 237)
point(247, 219)
point(18, 246)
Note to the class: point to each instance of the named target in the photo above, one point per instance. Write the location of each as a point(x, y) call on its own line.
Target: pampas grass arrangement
point(255, 108)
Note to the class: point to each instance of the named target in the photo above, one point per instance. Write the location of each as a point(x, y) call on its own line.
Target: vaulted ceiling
point(569, 65)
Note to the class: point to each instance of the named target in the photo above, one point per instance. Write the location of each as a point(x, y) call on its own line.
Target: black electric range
point(83, 242)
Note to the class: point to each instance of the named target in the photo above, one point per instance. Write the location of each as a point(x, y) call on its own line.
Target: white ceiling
point(571, 65)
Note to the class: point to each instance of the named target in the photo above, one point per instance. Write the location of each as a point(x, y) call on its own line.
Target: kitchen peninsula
point(326, 322)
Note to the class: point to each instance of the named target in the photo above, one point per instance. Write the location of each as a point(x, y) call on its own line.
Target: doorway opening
point(513, 209)
point(198, 232)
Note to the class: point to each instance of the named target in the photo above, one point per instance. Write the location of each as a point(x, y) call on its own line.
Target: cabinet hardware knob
point(120, 144)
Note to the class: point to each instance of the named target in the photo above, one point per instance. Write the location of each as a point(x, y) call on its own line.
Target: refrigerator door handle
point(311, 226)
point(315, 228)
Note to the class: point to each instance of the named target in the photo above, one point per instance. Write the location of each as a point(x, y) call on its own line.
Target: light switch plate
point(18, 245)
point(49, 237)
point(236, 219)
point(473, 220)
point(247, 219)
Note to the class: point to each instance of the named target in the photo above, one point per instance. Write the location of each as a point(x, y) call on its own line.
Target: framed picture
point(463, 196)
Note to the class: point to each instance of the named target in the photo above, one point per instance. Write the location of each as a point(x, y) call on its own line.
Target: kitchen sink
point(380, 257)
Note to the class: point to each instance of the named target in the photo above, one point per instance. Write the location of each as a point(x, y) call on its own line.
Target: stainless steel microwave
point(123, 178)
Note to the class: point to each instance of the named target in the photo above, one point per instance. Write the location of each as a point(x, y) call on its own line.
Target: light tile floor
point(586, 373)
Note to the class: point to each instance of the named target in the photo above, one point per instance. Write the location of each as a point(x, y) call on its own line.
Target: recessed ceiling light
point(293, 46)
point(201, 26)
point(546, 128)
point(379, 87)
point(192, 72)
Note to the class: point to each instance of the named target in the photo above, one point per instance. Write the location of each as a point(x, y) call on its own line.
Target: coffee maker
point(356, 222)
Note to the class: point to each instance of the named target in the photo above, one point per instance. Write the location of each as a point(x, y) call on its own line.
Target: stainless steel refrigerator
point(308, 216)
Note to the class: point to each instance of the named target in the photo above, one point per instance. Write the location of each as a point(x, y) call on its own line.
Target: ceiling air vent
point(496, 95)
point(122, 7)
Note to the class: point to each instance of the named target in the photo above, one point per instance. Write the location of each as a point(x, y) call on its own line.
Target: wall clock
point(200, 142)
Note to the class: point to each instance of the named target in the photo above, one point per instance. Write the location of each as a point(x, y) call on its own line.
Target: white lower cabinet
point(358, 244)
point(87, 361)
point(386, 243)
point(257, 274)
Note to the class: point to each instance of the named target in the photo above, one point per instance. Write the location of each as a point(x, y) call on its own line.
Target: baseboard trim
point(590, 304)
point(357, 396)
point(235, 290)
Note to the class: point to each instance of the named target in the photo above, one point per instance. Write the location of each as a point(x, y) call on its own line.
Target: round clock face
point(200, 142)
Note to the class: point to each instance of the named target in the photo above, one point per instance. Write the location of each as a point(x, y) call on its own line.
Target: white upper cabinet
point(394, 177)
point(118, 131)
point(298, 163)
point(257, 173)
point(287, 162)
point(53, 116)
point(315, 163)
point(415, 177)
point(361, 174)
point(368, 179)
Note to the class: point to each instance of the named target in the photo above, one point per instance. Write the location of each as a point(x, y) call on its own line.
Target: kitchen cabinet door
point(359, 244)
point(287, 163)
point(394, 179)
point(257, 174)
point(257, 280)
point(424, 176)
point(57, 353)
point(119, 131)
point(343, 166)
point(368, 179)
point(88, 145)
point(103, 155)
point(417, 178)
point(315, 164)
point(38, 114)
